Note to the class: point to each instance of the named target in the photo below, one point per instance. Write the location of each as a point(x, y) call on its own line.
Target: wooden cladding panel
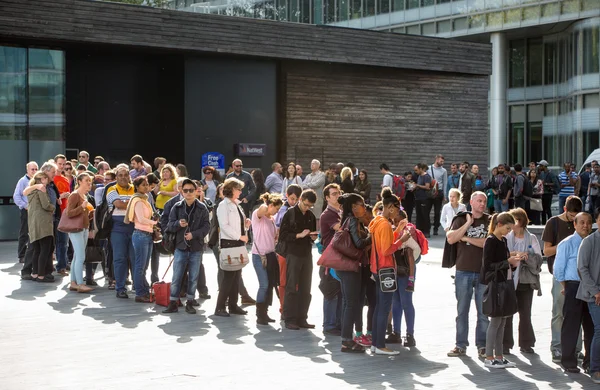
point(339, 114)
point(111, 23)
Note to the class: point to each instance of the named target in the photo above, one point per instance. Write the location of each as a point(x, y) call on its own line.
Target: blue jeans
point(122, 251)
point(380, 317)
point(62, 243)
point(561, 203)
point(332, 312)
point(79, 241)
point(142, 246)
point(595, 350)
point(465, 283)
point(403, 303)
point(192, 261)
point(263, 279)
point(499, 207)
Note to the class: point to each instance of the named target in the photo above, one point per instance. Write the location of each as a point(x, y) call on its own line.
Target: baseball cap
point(544, 163)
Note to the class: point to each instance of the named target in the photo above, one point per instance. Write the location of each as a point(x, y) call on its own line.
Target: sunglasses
point(208, 173)
point(81, 156)
point(188, 190)
point(68, 169)
point(238, 166)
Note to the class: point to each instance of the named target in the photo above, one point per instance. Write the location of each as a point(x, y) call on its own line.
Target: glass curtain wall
point(554, 96)
point(32, 109)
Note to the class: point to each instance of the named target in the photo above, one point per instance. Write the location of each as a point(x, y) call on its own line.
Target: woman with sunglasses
point(210, 183)
point(385, 242)
point(139, 211)
point(69, 174)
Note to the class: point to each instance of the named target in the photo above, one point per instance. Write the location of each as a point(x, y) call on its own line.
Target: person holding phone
point(588, 268)
point(299, 232)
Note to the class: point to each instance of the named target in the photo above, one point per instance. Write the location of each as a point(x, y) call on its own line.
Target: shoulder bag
point(402, 262)
point(281, 248)
point(499, 298)
point(535, 204)
point(387, 276)
point(333, 259)
point(342, 243)
point(71, 224)
point(234, 255)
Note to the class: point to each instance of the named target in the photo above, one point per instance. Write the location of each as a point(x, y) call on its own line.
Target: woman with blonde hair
point(347, 185)
point(79, 207)
point(452, 208)
point(40, 214)
point(165, 189)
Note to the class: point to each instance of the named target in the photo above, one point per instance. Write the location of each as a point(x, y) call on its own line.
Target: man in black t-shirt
point(557, 229)
point(422, 200)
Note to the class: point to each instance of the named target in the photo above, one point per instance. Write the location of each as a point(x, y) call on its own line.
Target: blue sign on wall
point(215, 160)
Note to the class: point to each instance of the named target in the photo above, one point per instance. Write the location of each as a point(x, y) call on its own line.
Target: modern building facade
point(544, 92)
point(117, 80)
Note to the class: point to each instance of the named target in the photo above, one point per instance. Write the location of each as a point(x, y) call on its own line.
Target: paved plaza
point(55, 339)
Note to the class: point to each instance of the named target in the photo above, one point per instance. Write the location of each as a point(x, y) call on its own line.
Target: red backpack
point(420, 239)
point(398, 186)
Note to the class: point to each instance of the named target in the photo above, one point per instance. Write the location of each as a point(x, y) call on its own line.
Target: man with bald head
point(575, 311)
point(249, 190)
point(21, 201)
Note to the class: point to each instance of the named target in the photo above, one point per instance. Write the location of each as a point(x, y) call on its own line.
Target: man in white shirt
point(388, 177)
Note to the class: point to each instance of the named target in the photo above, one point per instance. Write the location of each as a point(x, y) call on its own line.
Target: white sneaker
point(389, 352)
point(508, 364)
point(373, 348)
point(493, 364)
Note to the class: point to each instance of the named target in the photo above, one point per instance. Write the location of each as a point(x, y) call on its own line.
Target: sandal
point(112, 285)
point(352, 347)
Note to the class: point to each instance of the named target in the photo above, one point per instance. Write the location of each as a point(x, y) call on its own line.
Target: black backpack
point(527, 187)
point(103, 216)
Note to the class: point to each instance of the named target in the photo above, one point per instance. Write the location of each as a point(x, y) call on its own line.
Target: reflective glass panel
point(517, 64)
point(13, 93)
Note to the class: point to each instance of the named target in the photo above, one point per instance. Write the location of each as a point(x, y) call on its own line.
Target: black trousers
point(42, 255)
point(241, 288)
point(369, 288)
point(28, 261)
point(423, 208)
point(576, 315)
point(202, 289)
point(297, 301)
point(229, 289)
point(408, 208)
point(546, 204)
point(526, 334)
point(23, 235)
point(521, 202)
point(436, 203)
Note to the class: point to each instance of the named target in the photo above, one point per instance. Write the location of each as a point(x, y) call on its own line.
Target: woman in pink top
point(139, 211)
point(265, 234)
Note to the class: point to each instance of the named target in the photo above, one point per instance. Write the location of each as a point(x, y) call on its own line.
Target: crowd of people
point(132, 214)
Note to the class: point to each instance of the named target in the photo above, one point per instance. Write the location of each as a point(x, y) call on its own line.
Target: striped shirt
point(117, 192)
point(563, 178)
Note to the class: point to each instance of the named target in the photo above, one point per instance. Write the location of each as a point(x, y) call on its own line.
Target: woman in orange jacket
point(385, 243)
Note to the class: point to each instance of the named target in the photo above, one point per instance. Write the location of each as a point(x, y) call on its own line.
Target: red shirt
point(63, 185)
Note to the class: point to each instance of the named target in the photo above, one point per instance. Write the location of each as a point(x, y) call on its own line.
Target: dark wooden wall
point(126, 25)
point(341, 114)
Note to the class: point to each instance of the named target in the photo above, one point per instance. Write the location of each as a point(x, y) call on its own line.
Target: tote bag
point(500, 299)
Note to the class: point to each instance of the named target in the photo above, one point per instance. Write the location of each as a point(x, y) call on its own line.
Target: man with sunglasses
point(21, 202)
point(249, 187)
point(84, 159)
point(189, 219)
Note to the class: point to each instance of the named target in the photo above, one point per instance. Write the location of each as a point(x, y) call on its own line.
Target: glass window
point(428, 29)
point(589, 5)
point(397, 5)
point(329, 10)
point(516, 134)
point(343, 8)
point(535, 116)
point(444, 26)
point(534, 62)
point(549, 109)
point(13, 93)
point(410, 4)
point(591, 100)
point(591, 53)
point(46, 95)
point(532, 13)
point(460, 24)
point(550, 59)
point(369, 7)
point(383, 6)
point(427, 3)
point(400, 30)
point(570, 6)
point(305, 11)
point(495, 19)
point(415, 29)
point(517, 64)
point(513, 16)
point(477, 21)
point(550, 10)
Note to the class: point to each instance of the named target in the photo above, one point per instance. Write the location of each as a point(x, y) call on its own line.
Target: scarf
point(137, 197)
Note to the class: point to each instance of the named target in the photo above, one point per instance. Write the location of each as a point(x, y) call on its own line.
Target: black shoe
point(306, 325)
point(122, 294)
point(435, 232)
point(128, 282)
point(50, 278)
point(389, 329)
point(26, 277)
point(172, 308)
point(572, 370)
point(333, 332)
point(179, 303)
point(394, 338)
point(189, 307)
point(69, 266)
point(204, 296)
point(291, 326)
point(91, 282)
point(21, 260)
point(45, 279)
point(409, 341)
point(221, 313)
point(193, 302)
point(237, 310)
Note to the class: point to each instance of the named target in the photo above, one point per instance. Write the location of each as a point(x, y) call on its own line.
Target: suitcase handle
point(170, 263)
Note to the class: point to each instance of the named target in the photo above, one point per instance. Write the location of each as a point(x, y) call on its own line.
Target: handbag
point(71, 224)
point(281, 248)
point(336, 260)
point(160, 292)
point(342, 242)
point(500, 298)
point(233, 258)
point(388, 281)
point(94, 253)
point(536, 204)
point(402, 263)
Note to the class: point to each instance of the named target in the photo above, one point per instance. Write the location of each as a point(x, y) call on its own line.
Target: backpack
point(103, 216)
point(398, 186)
point(420, 238)
point(527, 187)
